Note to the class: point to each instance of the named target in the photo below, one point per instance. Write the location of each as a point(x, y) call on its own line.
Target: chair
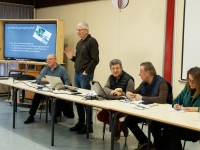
point(41, 107)
point(104, 127)
point(143, 123)
point(47, 100)
point(48, 104)
point(185, 143)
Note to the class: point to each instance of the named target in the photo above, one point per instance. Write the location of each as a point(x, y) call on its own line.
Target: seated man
point(52, 69)
point(118, 83)
point(154, 89)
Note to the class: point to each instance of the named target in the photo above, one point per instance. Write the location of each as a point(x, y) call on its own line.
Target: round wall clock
point(121, 4)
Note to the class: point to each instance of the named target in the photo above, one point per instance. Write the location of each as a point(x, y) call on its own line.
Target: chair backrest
point(169, 99)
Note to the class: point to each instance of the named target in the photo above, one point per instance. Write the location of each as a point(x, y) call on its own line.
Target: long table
point(26, 85)
point(189, 120)
point(159, 113)
point(15, 85)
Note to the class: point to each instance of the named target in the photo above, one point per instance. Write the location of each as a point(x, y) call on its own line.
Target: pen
point(179, 105)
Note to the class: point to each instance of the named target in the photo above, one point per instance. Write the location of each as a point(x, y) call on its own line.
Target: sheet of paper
point(173, 110)
point(137, 102)
point(137, 107)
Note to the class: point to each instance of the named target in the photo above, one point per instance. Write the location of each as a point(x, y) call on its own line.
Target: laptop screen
point(96, 86)
point(98, 89)
point(55, 82)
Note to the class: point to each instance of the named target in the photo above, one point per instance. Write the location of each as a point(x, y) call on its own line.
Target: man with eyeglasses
point(86, 60)
point(52, 69)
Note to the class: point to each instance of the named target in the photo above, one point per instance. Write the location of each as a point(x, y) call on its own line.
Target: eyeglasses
point(190, 81)
point(79, 30)
point(50, 59)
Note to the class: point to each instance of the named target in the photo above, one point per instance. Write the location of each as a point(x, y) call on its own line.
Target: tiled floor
point(37, 136)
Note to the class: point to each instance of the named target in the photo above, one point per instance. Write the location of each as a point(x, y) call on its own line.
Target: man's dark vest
point(121, 83)
point(153, 88)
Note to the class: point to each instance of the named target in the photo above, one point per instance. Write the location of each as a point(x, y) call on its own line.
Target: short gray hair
point(84, 24)
point(115, 61)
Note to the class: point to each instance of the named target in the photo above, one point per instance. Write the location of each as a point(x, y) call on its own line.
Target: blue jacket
point(153, 88)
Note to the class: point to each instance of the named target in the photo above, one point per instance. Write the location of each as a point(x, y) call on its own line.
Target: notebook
point(96, 86)
point(55, 82)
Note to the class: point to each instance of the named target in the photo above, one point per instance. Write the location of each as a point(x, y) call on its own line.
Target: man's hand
point(130, 95)
point(118, 89)
point(84, 73)
point(44, 80)
point(137, 97)
point(115, 93)
point(68, 52)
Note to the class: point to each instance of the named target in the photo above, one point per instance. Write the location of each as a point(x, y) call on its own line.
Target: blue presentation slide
point(29, 41)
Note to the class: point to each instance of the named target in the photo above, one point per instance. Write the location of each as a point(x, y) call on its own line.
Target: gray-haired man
point(86, 60)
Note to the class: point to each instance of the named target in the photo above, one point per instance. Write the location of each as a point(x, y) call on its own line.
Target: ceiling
point(44, 3)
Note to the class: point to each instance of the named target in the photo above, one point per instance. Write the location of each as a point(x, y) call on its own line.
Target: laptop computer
point(96, 86)
point(55, 82)
point(4, 78)
point(58, 86)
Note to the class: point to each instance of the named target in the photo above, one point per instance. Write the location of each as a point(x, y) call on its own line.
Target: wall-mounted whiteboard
point(191, 36)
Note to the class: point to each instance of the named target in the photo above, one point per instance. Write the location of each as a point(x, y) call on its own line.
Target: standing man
point(85, 62)
point(154, 89)
point(118, 83)
point(52, 69)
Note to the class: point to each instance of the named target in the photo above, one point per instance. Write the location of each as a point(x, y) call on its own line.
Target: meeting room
point(100, 74)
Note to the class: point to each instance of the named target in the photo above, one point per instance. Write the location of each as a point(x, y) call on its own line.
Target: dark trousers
point(36, 101)
point(155, 129)
point(82, 111)
point(177, 134)
point(132, 124)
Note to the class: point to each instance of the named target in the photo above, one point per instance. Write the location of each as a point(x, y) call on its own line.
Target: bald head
point(51, 55)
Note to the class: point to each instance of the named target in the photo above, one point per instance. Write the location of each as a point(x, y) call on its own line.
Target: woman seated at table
point(188, 100)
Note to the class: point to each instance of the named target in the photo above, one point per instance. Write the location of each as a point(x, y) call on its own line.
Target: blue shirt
point(58, 71)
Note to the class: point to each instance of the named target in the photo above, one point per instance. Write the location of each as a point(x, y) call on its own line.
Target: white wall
point(178, 32)
point(133, 35)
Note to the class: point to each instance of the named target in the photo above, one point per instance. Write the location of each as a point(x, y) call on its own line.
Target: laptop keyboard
point(110, 97)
